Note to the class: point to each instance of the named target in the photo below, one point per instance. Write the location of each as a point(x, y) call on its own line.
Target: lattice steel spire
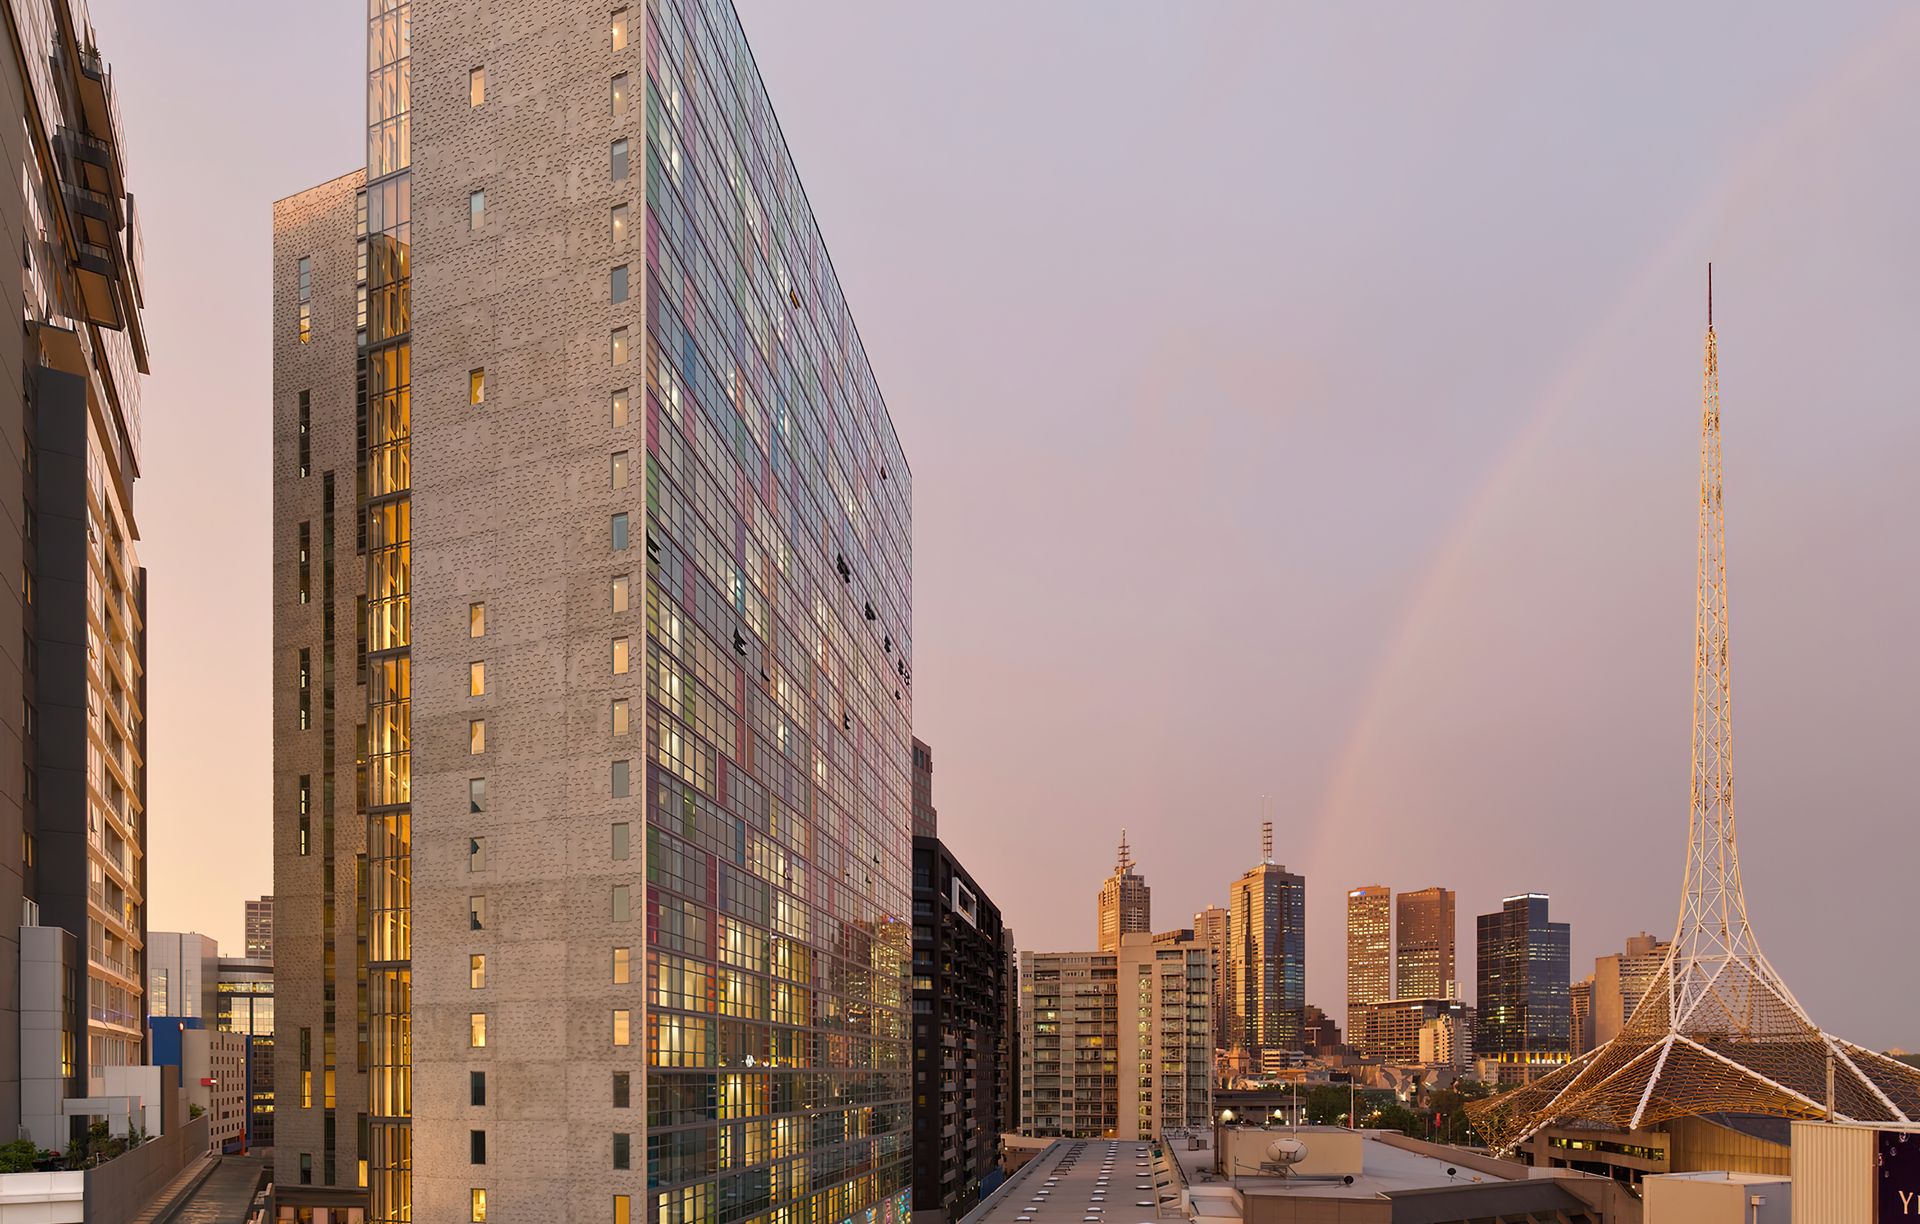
point(1718, 1030)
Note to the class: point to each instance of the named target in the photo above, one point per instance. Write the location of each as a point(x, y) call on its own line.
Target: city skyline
point(1546, 535)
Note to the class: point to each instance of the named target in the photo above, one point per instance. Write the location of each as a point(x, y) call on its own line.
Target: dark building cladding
point(961, 1033)
point(1525, 1000)
point(926, 819)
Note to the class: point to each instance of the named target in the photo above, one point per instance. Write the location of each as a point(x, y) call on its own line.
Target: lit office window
point(476, 86)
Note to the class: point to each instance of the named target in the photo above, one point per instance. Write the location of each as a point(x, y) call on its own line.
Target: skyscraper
point(926, 818)
point(1126, 903)
point(73, 691)
point(1620, 980)
point(1266, 956)
point(1580, 996)
point(1210, 932)
point(634, 793)
point(1525, 998)
point(1369, 956)
point(1166, 1039)
point(259, 929)
point(1425, 939)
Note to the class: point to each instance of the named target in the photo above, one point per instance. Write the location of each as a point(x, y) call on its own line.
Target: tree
point(20, 1156)
point(1450, 1106)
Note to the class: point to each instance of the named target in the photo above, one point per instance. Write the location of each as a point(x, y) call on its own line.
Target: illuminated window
point(620, 656)
point(476, 210)
point(476, 679)
point(622, 1027)
point(620, 593)
point(618, 100)
point(306, 298)
point(617, 223)
point(477, 386)
point(477, 1201)
point(476, 854)
point(620, 408)
point(619, 28)
point(476, 620)
point(622, 842)
point(477, 1030)
point(619, 346)
point(617, 161)
point(621, 719)
point(476, 86)
point(618, 470)
point(477, 970)
point(622, 907)
point(617, 284)
point(622, 966)
point(476, 736)
point(622, 1209)
point(621, 779)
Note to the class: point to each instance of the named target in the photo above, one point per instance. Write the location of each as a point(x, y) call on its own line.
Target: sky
point(1303, 407)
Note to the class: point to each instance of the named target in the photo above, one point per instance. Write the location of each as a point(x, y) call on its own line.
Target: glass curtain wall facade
point(1267, 960)
point(1525, 997)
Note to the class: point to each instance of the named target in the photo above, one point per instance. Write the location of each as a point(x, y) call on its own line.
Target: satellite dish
point(1286, 1151)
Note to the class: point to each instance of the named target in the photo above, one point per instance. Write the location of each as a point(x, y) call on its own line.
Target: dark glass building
point(961, 1036)
point(1526, 1003)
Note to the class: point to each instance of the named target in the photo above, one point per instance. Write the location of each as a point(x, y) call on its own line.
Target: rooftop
point(1079, 1181)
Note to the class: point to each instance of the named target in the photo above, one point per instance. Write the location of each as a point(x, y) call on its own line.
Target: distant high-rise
point(1620, 980)
point(1266, 956)
point(1126, 903)
point(926, 818)
point(1425, 939)
point(1210, 932)
point(1369, 956)
point(1525, 998)
point(1581, 1009)
point(183, 968)
point(260, 929)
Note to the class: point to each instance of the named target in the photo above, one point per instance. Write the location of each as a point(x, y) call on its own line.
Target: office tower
point(1126, 903)
point(1210, 932)
point(623, 609)
point(1393, 1026)
point(1369, 956)
point(926, 819)
point(1621, 979)
point(182, 971)
point(1446, 1040)
point(259, 929)
point(1266, 956)
point(244, 1005)
point(1425, 940)
point(959, 1014)
point(1525, 1003)
point(1319, 1034)
point(73, 829)
point(1164, 991)
point(1069, 1044)
point(1580, 1006)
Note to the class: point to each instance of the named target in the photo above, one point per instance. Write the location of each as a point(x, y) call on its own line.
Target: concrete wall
point(1331, 1152)
point(1280, 1208)
point(42, 1198)
point(1675, 1199)
point(124, 1187)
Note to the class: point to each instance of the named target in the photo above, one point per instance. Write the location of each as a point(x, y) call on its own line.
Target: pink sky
point(1299, 404)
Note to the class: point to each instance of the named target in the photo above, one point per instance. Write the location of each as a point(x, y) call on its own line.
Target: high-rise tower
point(1126, 903)
point(1424, 945)
point(1717, 1030)
point(1369, 954)
point(593, 781)
point(1210, 932)
point(1266, 956)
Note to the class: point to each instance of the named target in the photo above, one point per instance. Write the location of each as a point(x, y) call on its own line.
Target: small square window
point(620, 658)
point(618, 101)
point(619, 412)
point(476, 795)
point(622, 841)
point(622, 1090)
point(618, 473)
point(619, 346)
point(622, 966)
point(476, 620)
point(619, 28)
point(622, 776)
point(622, 1026)
point(476, 854)
point(477, 1147)
point(476, 86)
point(620, 716)
point(622, 903)
point(477, 1030)
point(617, 222)
point(476, 386)
point(477, 970)
point(476, 736)
point(476, 1087)
point(476, 209)
point(617, 161)
point(619, 531)
point(476, 679)
point(619, 592)
point(617, 284)
point(477, 913)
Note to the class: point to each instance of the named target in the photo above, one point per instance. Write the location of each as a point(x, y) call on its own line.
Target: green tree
point(20, 1156)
